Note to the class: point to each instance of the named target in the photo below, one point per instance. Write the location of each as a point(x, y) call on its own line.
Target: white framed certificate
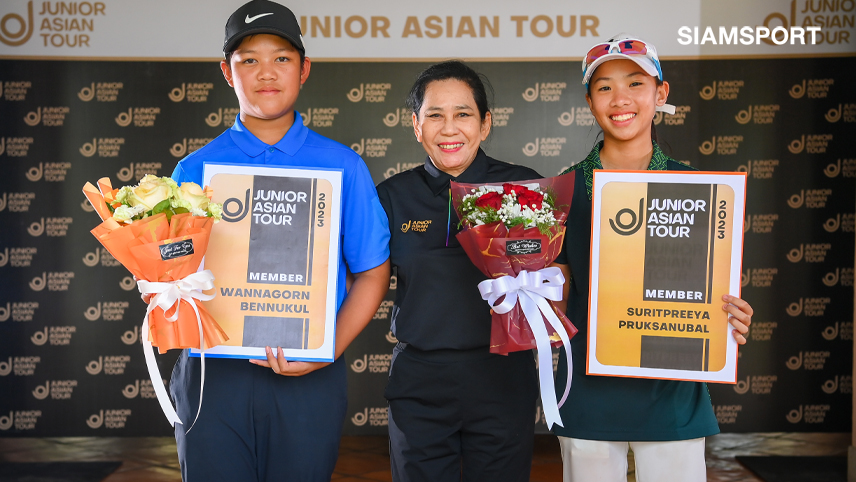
point(275, 259)
point(665, 247)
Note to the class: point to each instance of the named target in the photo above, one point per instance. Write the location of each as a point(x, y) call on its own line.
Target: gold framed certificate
point(275, 260)
point(665, 247)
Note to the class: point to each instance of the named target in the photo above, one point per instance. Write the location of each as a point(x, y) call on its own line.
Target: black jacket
point(437, 303)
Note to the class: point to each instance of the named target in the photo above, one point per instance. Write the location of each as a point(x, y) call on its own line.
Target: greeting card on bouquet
point(665, 247)
point(275, 256)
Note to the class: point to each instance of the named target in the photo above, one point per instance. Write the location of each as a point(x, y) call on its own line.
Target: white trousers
point(598, 461)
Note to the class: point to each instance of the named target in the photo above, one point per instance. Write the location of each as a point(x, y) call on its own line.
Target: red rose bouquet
point(512, 232)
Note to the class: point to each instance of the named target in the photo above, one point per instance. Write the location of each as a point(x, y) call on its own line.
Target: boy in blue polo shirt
point(279, 420)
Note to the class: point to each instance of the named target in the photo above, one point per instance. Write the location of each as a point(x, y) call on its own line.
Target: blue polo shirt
point(364, 228)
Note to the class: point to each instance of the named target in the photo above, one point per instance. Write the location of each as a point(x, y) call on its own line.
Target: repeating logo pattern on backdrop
point(794, 141)
point(101, 91)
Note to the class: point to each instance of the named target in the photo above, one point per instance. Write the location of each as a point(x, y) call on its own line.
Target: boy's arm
point(361, 304)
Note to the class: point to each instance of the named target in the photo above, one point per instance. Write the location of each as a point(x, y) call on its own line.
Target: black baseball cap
point(262, 16)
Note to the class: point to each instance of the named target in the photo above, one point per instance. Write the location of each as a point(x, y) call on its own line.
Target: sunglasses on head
point(627, 47)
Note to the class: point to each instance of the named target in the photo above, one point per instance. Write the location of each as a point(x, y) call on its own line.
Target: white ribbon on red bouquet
point(166, 295)
point(532, 289)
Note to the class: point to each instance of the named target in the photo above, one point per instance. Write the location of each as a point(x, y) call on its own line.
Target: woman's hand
point(281, 366)
point(739, 315)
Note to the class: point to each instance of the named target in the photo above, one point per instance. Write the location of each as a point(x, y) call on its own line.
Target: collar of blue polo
point(290, 143)
point(438, 180)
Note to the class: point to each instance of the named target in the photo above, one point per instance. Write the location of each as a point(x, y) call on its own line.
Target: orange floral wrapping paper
point(485, 245)
point(137, 247)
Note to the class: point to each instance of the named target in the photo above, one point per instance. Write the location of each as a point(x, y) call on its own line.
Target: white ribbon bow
point(165, 296)
point(532, 290)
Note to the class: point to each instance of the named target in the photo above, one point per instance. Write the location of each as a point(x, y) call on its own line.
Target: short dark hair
point(457, 70)
point(228, 55)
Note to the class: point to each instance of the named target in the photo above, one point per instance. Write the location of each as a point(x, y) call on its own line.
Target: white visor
point(642, 61)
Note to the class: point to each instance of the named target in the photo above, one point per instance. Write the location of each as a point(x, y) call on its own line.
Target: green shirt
point(659, 162)
point(612, 408)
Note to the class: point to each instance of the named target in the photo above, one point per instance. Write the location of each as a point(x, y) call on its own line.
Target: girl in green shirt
point(664, 421)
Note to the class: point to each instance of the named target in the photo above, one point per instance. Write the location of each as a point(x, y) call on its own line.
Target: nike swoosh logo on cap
point(253, 19)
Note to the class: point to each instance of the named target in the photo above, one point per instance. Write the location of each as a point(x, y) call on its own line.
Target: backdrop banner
point(377, 29)
point(106, 88)
point(70, 359)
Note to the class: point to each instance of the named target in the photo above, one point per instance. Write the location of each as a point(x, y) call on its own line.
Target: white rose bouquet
point(154, 195)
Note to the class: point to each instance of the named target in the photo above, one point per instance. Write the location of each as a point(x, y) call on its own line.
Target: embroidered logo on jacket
point(418, 226)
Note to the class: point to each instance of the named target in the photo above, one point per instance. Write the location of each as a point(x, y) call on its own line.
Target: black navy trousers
point(255, 425)
point(461, 415)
